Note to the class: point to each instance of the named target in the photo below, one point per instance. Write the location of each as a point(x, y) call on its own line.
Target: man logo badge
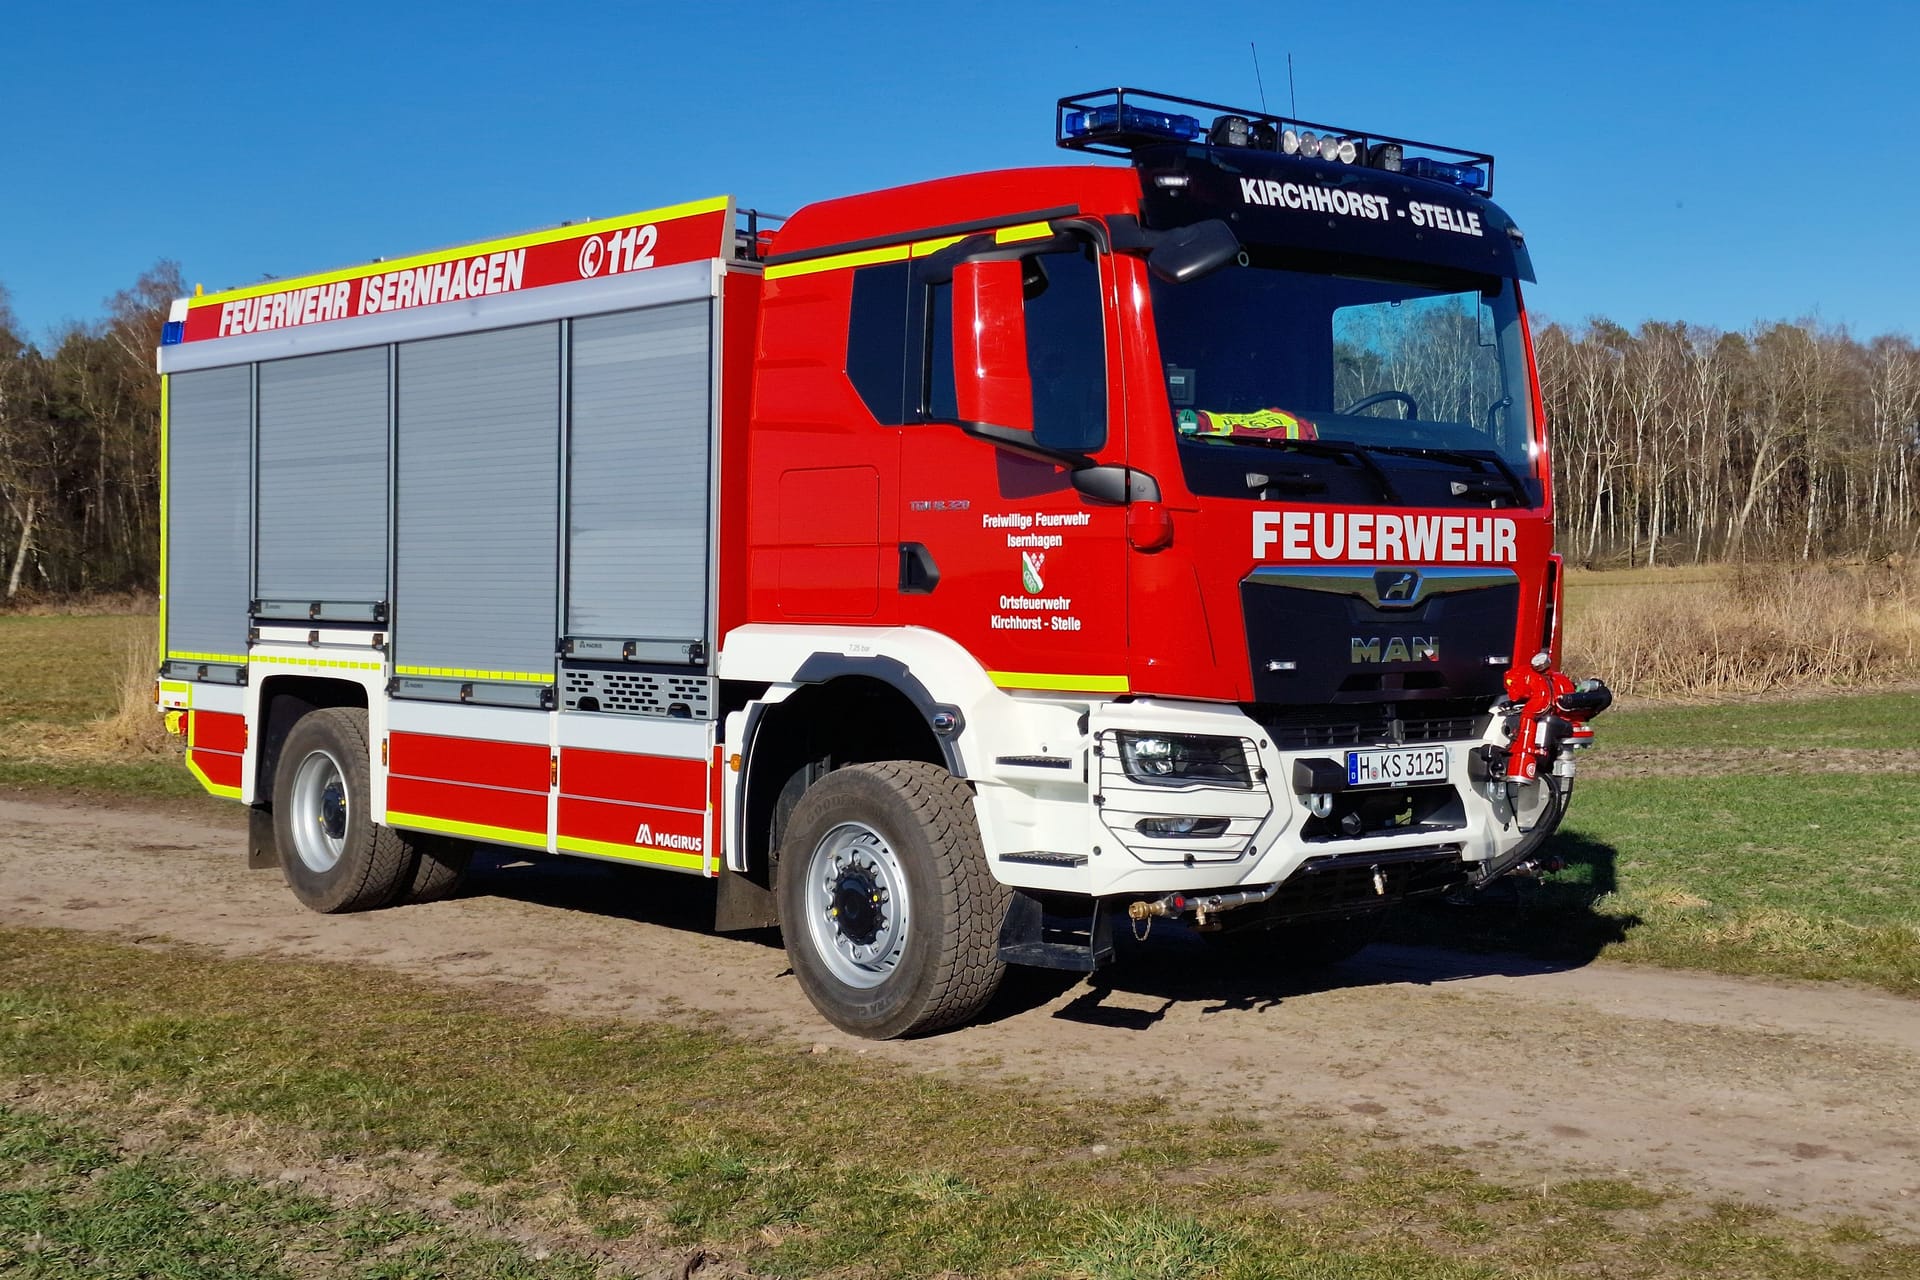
point(1394, 649)
point(1396, 587)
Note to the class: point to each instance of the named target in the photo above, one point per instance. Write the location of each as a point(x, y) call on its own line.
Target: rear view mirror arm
point(1102, 482)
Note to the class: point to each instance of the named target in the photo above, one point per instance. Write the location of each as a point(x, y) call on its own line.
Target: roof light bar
point(1123, 121)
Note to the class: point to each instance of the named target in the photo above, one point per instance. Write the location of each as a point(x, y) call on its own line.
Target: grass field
point(172, 1112)
point(74, 709)
point(165, 1111)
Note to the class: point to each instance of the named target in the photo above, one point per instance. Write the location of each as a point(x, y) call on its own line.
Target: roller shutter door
point(323, 484)
point(478, 441)
point(640, 442)
point(209, 431)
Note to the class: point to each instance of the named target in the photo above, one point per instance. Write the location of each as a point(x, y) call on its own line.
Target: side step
point(1026, 938)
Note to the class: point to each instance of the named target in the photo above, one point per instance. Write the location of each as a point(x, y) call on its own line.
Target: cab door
point(998, 548)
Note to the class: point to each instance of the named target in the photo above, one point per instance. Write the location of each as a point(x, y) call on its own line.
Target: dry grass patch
point(1745, 629)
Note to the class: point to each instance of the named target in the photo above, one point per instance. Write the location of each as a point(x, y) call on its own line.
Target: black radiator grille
point(1309, 728)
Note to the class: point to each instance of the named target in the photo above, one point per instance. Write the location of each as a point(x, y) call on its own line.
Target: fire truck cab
point(946, 571)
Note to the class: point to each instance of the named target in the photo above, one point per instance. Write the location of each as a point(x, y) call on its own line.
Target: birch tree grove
point(1672, 443)
point(1675, 443)
point(80, 448)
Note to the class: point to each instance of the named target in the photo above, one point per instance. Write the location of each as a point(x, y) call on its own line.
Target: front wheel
point(890, 915)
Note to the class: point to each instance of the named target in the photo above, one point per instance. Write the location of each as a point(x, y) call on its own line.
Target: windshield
point(1262, 353)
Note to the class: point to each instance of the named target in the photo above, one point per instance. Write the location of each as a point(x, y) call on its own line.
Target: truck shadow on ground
point(1515, 928)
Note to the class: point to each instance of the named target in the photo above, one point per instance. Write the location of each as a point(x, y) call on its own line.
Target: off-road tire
point(949, 965)
point(374, 860)
point(1300, 946)
point(439, 868)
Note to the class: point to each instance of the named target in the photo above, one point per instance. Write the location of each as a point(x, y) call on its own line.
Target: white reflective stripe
point(640, 735)
point(451, 720)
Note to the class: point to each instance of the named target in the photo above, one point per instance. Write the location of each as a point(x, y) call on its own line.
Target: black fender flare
point(944, 720)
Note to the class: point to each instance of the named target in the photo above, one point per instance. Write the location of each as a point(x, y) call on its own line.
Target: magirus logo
point(668, 840)
point(1030, 580)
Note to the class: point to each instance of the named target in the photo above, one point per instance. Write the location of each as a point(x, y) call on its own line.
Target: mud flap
point(1026, 939)
point(262, 852)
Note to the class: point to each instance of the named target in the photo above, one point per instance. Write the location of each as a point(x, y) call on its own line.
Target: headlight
point(1185, 759)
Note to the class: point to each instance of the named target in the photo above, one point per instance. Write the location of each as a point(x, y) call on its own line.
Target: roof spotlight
point(1229, 131)
point(1344, 151)
point(1385, 155)
point(1309, 144)
point(1289, 141)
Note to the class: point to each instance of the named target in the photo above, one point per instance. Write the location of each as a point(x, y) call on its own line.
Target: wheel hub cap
point(321, 811)
point(857, 905)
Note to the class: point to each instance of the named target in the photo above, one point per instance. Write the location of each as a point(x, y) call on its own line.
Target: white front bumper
point(1075, 830)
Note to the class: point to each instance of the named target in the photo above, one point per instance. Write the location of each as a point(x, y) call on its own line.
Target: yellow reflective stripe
point(1025, 231)
point(634, 853)
point(896, 252)
point(237, 658)
point(462, 673)
point(212, 787)
point(1046, 680)
point(340, 663)
point(175, 686)
point(666, 213)
point(473, 830)
point(164, 384)
point(838, 261)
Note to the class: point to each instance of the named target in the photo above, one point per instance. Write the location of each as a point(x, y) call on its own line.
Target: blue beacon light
point(1126, 118)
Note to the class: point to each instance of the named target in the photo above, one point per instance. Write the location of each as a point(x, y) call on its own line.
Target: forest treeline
point(1673, 443)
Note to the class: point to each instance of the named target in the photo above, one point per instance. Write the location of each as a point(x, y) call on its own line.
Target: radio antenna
point(1256, 76)
point(1293, 102)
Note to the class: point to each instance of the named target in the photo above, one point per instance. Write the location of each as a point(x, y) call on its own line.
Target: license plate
point(1396, 767)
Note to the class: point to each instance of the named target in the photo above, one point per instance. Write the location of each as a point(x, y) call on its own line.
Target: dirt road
point(1802, 1096)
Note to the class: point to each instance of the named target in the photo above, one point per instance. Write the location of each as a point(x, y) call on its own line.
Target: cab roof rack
point(1124, 121)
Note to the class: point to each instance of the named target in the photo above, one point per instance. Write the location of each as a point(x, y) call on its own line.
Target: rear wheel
point(890, 916)
point(439, 868)
point(334, 856)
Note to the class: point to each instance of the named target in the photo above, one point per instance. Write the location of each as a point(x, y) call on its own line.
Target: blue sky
point(1714, 162)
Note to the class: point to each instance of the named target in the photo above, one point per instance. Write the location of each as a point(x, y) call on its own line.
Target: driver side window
point(1066, 350)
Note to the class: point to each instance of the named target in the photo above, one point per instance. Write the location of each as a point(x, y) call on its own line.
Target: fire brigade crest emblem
point(1030, 579)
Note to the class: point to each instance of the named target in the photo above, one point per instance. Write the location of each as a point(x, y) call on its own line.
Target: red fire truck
point(946, 571)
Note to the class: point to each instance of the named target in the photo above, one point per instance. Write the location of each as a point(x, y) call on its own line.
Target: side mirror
point(1187, 253)
point(990, 378)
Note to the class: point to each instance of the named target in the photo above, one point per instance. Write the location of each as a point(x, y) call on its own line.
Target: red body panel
point(465, 802)
point(633, 779)
point(217, 746)
point(518, 765)
point(219, 731)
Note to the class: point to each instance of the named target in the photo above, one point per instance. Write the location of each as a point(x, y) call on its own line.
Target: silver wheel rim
point(857, 909)
point(320, 811)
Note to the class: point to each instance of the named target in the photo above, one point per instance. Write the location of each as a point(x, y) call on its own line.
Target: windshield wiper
point(1328, 449)
point(1479, 458)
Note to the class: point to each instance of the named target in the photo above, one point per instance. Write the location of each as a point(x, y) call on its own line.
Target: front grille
point(1311, 728)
